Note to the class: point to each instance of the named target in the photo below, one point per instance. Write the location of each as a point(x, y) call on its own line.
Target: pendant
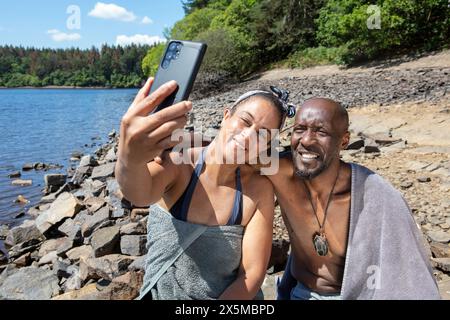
point(320, 244)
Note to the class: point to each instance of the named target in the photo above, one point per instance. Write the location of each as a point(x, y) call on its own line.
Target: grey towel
point(385, 256)
point(201, 269)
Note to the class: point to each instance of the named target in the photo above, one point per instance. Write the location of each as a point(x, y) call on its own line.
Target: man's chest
point(303, 222)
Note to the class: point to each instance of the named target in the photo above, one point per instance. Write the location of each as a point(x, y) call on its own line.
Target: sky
point(85, 23)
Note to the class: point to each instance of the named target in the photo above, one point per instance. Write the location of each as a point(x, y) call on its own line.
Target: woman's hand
point(144, 136)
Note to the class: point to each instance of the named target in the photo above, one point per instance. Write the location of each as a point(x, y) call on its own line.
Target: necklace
point(319, 238)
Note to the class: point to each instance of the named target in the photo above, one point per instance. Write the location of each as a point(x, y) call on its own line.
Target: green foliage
point(152, 59)
point(190, 5)
point(72, 67)
point(405, 24)
point(316, 56)
point(193, 24)
point(228, 50)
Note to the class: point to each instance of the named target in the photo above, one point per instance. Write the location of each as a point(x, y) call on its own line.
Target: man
point(352, 234)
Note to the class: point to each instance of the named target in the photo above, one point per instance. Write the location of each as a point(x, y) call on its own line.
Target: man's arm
point(256, 249)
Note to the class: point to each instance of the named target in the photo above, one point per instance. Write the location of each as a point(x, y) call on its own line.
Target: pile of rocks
point(86, 241)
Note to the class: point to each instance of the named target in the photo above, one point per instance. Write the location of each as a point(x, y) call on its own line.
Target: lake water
point(47, 125)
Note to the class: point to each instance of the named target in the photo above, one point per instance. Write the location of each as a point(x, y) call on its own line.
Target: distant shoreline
point(64, 87)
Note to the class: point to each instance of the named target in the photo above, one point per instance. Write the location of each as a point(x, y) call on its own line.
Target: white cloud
point(59, 36)
point(146, 20)
point(111, 11)
point(123, 40)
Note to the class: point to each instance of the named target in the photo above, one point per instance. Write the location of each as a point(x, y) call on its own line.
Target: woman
point(210, 224)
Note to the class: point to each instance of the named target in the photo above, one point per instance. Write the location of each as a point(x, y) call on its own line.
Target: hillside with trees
point(248, 35)
point(109, 66)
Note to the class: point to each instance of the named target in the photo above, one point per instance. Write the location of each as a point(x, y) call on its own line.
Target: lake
point(47, 125)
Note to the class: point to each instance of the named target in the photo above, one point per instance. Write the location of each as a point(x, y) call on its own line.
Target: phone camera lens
point(165, 64)
point(169, 55)
point(173, 46)
point(179, 46)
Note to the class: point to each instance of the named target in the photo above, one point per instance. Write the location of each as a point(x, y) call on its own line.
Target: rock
point(66, 245)
point(112, 134)
point(113, 188)
point(88, 292)
point(20, 182)
point(30, 283)
point(15, 174)
point(48, 198)
point(440, 250)
point(87, 160)
point(28, 166)
point(111, 155)
point(60, 269)
point(406, 184)
point(54, 181)
point(279, 255)
point(370, 146)
point(81, 217)
point(106, 267)
point(22, 248)
point(21, 199)
point(94, 203)
point(395, 147)
point(39, 166)
point(416, 165)
point(26, 232)
point(118, 213)
point(81, 173)
point(439, 236)
point(104, 171)
point(77, 154)
point(74, 282)
point(125, 287)
point(4, 230)
point(65, 206)
point(138, 212)
point(385, 140)
point(80, 252)
point(7, 271)
point(105, 241)
point(432, 167)
point(50, 245)
point(67, 227)
point(96, 187)
point(133, 245)
point(444, 289)
point(19, 215)
point(66, 187)
point(94, 221)
point(424, 179)
point(24, 260)
point(442, 263)
point(138, 264)
point(134, 228)
point(50, 257)
point(355, 143)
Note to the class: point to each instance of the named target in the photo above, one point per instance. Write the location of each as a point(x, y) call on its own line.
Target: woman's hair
point(277, 97)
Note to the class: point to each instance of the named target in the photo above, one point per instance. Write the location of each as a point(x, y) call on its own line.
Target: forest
point(109, 66)
point(245, 36)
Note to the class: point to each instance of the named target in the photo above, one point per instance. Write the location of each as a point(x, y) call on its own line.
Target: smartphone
point(180, 62)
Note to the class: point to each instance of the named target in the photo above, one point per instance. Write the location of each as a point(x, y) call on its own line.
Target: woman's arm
point(256, 249)
point(143, 136)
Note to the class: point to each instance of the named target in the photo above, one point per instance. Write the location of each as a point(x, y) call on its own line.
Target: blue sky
point(47, 23)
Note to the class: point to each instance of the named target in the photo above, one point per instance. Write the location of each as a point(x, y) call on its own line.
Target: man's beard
point(311, 174)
